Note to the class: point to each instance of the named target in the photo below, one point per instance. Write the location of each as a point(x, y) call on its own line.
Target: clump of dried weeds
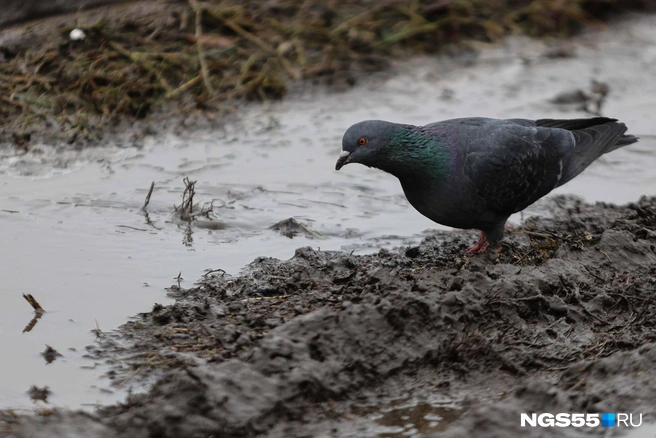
point(203, 55)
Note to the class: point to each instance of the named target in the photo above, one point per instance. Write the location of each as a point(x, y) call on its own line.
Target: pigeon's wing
point(513, 166)
point(569, 124)
point(573, 124)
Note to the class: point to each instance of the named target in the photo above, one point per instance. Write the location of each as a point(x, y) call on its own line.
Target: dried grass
point(198, 55)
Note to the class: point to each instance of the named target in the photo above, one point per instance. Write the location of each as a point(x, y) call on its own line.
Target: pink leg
point(479, 246)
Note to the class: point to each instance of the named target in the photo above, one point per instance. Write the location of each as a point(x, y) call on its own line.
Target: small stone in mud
point(292, 227)
point(39, 394)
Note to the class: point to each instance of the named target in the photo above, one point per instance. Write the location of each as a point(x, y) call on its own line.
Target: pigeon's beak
point(342, 160)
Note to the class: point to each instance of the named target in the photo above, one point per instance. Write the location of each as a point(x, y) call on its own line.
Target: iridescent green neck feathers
point(413, 153)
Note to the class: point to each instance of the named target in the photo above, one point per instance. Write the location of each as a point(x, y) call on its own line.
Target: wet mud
point(417, 341)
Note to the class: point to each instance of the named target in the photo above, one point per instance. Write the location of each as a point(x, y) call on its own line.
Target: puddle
point(409, 417)
point(74, 236)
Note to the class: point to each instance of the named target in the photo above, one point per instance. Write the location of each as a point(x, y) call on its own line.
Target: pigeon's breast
point(453, 203)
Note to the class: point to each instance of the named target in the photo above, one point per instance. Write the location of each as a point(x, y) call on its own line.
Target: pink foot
point(479, 246)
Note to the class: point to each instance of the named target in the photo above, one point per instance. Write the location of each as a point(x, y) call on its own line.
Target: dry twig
point(187, 199)
point(150, 192)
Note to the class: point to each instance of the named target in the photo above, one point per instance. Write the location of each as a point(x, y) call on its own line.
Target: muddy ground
point(562, 320)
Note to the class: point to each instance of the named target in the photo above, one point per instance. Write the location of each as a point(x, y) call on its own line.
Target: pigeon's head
point(363, 142)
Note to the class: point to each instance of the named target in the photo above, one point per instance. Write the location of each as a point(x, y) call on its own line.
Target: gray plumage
point(476, 172)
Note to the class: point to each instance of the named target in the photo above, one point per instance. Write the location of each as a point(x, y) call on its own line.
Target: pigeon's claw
point(479, 246)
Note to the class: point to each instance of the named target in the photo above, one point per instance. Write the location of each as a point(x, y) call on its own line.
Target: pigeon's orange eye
point(362, 141)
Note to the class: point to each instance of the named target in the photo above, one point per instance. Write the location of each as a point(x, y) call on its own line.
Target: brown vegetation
point(197, 55)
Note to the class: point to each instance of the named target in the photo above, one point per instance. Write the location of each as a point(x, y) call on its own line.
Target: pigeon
point(473, 173)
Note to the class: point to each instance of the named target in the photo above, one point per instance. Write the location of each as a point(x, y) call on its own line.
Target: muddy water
point(74, 235)
point(408, 416)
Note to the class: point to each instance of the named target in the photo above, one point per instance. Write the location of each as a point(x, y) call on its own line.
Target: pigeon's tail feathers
point(573, 124)
point(590, 143)
point(624, 140)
